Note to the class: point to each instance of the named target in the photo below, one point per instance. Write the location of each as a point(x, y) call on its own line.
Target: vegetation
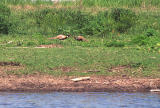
point(123, 34)
point(4, 19)
point(78, 61)
point(90, 3)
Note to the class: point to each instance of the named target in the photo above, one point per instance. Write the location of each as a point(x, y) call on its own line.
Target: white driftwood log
point(80, 79)
point(155, 90)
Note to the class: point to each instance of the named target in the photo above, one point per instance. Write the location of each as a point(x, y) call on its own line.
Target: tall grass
point(105, 23)
point(113, 3)
point(122, 3)
point(26, 2)
point(114, 23)
point(89, 3)
point(74, 22)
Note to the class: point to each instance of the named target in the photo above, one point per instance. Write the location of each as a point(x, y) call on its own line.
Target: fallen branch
point(155, 90)
point(80, 79)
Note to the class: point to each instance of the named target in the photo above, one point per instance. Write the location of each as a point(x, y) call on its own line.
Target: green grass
point(79, 57)
point(89, 21)
point(122, 3)
point(89, 3)
point(24, 2)
point(135, 48)
point(139, 63)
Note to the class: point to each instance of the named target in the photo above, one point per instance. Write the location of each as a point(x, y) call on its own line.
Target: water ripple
point(79, 100)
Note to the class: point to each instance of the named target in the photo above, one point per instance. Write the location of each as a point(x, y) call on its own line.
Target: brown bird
point(60, 37)
point(80, 38)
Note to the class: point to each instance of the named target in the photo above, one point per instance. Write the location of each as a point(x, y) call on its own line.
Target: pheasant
point(80, 38)
point(60, 37)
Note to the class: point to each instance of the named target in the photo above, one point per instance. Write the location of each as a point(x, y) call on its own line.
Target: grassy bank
point(122, 41)
point(101, 22)
point(79, 61)
point(89, 3)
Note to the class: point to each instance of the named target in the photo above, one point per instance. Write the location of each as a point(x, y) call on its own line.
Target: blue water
point(79, 100)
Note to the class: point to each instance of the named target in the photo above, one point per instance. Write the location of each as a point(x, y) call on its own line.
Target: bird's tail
point(85, 40)
point(52, 38)
point(75, 38)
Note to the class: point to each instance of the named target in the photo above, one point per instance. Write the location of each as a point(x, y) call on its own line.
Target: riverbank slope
point(40, 83)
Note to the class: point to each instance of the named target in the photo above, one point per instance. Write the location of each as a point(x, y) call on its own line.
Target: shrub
point(31, 43)
point(50, 21)
point(115, 44)
point(62, 21)
point(150, 32)
point(4, 19)
point(145, 40)
point(53, 21)
point(140, 40)
point(100, 24)
point(23, 23)
point(122, 19)
point(81, 22)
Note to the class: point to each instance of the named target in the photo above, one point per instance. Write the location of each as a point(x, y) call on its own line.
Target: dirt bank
point(35, 83)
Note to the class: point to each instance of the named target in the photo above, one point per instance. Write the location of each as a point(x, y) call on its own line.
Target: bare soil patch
point(65, 69)
point(9, 64)
point(34, 83)
point(119, 68)
point(45, 83)
point(6, 67)
point(50, 46)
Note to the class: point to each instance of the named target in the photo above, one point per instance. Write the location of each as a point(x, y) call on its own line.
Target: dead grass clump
point(64, 69)
point(119, 68)
point(9, 64)
point(50, 46)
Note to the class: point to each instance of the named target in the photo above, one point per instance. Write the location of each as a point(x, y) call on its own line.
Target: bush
point(115, 44)
point(23, 24)
point(50, 21)
point(53, 21)
point(150, 32)
point(31, 43)
point(122, 19)
point(62, 21)
point(100, 24)
point(4, 19)
point(145, 40)
point(149, 38)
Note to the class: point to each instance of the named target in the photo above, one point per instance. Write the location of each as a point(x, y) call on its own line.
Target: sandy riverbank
point(38, 82)
point(33, 83)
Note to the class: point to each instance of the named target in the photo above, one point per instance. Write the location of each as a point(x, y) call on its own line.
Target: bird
point(80, 38)
point(60, 37)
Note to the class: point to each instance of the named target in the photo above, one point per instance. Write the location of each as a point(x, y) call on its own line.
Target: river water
point(79, 100)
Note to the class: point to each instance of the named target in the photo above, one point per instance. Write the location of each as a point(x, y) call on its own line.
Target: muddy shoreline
point(45, 83)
